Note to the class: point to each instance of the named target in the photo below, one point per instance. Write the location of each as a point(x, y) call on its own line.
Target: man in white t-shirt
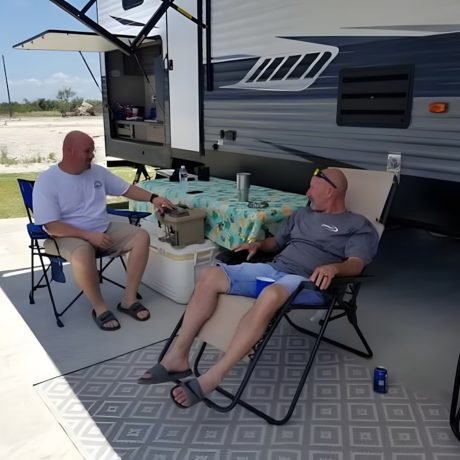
point(69, 200)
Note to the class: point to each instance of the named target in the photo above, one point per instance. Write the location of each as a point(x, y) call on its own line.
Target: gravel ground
point(27, 139)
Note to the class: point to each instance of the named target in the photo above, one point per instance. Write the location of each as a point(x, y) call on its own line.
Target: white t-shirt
point(76, 199)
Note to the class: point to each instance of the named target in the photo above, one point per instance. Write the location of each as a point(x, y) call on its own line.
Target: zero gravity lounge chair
point(51, 265)
point(370, 194)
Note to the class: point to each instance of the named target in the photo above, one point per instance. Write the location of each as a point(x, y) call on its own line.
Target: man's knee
point(84, 254)
point(141, 239)
point(271, 300)
point(213, 279)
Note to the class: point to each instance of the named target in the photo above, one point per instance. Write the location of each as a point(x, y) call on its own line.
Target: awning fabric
point(67, 40)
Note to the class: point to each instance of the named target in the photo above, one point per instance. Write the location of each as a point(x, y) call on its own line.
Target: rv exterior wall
point(287, 118)
point(285, 114)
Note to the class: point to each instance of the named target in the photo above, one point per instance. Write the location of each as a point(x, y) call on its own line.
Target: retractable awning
point(67, 40)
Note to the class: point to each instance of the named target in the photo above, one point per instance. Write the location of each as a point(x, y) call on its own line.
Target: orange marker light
point(438, 107)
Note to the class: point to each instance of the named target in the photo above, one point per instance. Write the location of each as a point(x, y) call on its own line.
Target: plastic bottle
point(183, 176)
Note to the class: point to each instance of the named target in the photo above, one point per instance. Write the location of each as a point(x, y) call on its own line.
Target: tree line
point(64, 103)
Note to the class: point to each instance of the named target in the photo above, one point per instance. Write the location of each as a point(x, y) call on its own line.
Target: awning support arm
point(87, 21)
point(90, 71)
point(141, 36)
point(188, 15)
point(152, 22)
point(87, 6)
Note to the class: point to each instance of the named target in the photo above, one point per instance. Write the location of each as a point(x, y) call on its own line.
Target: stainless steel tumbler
point(243, 182)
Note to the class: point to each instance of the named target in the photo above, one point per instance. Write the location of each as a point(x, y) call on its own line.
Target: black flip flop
point(103, 319)
point(133, 310)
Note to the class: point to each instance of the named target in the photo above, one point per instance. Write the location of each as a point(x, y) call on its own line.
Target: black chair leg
point(236, 397)
point(454, 408)
point(50, 292)
point(47, 283)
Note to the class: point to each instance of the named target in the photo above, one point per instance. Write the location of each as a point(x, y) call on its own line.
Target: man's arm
point(323, 275)
point(139, 194)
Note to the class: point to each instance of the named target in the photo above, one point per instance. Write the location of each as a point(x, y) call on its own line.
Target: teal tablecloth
point(228, 222)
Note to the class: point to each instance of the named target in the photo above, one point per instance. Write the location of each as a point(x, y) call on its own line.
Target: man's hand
point(322, 275)
point(252, 248)
point(100, 240)
point(162, 204)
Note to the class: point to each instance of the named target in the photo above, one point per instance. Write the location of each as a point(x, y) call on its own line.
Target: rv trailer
point(280, 89)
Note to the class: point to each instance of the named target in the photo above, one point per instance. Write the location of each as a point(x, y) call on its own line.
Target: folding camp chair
point(370, 194)
point(455, 407)
point(38, 236)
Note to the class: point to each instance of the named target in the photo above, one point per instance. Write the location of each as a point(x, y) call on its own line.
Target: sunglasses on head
point(321, 175)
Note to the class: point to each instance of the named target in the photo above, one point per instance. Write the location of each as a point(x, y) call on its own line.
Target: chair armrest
point(337, 287)
point(230, 257)
point(343, 280)
point(36, 232)
point(133, 216)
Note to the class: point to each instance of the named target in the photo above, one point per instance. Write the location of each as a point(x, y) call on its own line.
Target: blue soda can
point(380, 380)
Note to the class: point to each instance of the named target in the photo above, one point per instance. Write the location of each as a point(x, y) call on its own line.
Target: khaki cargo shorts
point(122, 234)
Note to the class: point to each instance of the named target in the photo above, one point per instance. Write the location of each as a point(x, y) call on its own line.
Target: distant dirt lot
point(24, 140)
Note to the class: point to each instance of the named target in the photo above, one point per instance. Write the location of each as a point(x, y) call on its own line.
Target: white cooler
point(172, 271)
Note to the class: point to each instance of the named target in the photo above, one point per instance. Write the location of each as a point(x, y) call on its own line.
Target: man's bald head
point(338, 178)
point(327, 191)
point(72, 139)
point(77, 152)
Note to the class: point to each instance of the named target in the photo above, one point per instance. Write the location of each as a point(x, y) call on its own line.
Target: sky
point(41, 74)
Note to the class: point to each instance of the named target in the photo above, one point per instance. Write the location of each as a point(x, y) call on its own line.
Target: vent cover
point(287, 72)
point(375, 96)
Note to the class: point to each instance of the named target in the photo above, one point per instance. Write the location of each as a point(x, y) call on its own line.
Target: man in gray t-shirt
point(310, 239)
point(316, 244)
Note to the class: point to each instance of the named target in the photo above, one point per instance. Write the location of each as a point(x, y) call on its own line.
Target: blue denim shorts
point(242, 281)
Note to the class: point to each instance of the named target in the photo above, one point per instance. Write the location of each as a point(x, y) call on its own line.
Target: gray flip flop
point(133, 310)
point(103, 319)
point(159, 374)
point(193, 391)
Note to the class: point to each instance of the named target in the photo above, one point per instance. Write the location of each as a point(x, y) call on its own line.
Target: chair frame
point(37, 234)
point(455, 407)
point(343, 294)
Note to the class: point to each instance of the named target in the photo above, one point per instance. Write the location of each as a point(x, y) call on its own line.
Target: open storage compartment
point(135, 94)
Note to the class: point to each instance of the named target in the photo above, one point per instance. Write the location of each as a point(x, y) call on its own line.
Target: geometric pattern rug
point(109, 416)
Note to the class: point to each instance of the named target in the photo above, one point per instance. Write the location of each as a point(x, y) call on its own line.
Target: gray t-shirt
point(309, 239)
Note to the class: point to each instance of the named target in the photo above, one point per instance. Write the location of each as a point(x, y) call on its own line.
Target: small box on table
point(184, 227)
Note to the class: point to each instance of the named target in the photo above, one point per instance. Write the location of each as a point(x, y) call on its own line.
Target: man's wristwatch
point(152, 197)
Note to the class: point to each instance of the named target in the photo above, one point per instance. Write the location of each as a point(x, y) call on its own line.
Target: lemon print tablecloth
point(228, 222)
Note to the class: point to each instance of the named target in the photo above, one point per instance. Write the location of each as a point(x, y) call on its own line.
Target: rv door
point(182, 62)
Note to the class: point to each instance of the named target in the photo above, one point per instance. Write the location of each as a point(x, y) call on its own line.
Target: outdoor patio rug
point(339, 417)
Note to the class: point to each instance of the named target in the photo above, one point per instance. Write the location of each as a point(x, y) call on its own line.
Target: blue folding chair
point(38, 236)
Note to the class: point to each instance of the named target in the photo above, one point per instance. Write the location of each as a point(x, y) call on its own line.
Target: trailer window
point(375, 96)
point(128, 4)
